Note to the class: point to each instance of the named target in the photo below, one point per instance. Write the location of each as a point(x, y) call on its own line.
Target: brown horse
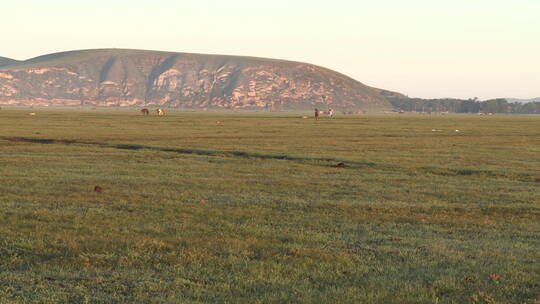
point(145, 112)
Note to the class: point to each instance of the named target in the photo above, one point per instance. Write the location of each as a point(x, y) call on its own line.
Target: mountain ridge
point(4, 61)
point(127, 77)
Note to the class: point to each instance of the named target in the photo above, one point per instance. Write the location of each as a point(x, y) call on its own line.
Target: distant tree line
point(499, 105)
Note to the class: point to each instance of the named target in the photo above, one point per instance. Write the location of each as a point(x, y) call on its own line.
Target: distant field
point(251, 208)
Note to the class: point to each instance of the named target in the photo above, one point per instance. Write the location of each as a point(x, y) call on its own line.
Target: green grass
point(416, 216)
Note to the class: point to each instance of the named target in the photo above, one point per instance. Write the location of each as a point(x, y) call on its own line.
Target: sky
point(421, 48)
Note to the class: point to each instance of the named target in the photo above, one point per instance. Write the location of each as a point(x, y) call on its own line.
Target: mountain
point(537, 99)
point(7, 61)
point(120, 77)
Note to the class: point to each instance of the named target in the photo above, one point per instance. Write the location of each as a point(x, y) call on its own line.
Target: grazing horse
point(145, 112)
point(160, 112)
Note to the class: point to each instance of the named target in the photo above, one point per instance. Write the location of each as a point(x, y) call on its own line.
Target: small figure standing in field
point(316, 114)
point(160, 112)
point(145, 112)
point(331, 113)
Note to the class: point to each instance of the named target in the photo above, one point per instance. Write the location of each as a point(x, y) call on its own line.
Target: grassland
point(247, 208)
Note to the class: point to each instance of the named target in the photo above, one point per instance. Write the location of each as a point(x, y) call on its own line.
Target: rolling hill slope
point(120, 77)
point(7, 61)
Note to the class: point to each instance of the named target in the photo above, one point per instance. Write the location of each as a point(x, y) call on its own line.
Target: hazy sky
point(422, 48)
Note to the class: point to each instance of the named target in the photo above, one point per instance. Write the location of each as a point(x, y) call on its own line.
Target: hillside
point(7, 61)
point(119, 77)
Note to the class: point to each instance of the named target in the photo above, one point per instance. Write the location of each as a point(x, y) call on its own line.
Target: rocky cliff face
point(114, 77)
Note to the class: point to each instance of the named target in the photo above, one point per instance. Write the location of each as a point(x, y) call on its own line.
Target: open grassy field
point(251, 208)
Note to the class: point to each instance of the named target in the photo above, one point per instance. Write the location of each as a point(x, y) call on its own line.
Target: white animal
point(329, 113)
point(160, 112)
